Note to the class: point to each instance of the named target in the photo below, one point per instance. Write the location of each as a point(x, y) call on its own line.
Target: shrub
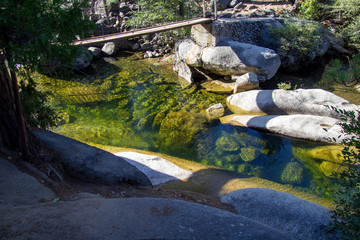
point(297, 35)
point(346, 216)
point(311, 9)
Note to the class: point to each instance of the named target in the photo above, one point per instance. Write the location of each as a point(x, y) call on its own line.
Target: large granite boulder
point(129, 218)
point(19, 189)
point(235, 58)
point(296, 218)
point(91, 164)
point(282, 102)
point(308, 127)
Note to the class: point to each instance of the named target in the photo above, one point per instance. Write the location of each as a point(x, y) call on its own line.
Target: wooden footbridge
point(150, 30)
point(143, 31)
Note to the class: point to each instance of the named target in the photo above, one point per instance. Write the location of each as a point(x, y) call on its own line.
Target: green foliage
point(311, 9)
point(284, 86)
point(347, 74)
point(346, 216)
point(38, 112)
point(39, 32)
point(155, 11)
point(348, 11)
point(299, 36)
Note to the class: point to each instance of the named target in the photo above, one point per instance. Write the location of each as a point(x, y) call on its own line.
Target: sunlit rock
point(215, 112)
point(278, 101)
point(235, 58)
point(109, 49)
point(314, 128)
point(245, 82)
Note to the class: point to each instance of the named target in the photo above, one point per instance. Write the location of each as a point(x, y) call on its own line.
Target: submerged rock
point(249, 154)
point(293, 173)
point(227, 144)
point(330, 169)
point(218, 86)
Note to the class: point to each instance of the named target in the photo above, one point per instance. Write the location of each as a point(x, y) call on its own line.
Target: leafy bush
point(348, 11)
point(154, 11)
point(311, 9)
point(346, 216)
point(285, 86)
point(296, 35)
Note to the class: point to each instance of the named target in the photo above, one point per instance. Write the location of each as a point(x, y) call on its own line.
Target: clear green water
point(140, 104)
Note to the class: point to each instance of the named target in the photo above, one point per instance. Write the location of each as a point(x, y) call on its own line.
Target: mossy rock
point(227, 144)
point(249, 154)
point(330, 168)
point(244, 168)
point(232, 158)
point(293, 173)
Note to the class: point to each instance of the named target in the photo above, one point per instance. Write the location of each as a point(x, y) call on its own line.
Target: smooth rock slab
point(129, 218)
point(306, 127)
point(90, 163)
point(218, 86)
point(296, 218)
point(157, 169)
point(18, 188)
point(283, 102)
point(235, 58)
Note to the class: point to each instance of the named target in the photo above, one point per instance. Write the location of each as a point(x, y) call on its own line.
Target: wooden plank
point(144, 31)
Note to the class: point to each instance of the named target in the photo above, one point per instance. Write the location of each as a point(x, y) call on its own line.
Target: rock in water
point(215, 112)
point(218, 86)
point(301, 101)
point(245, 82)
point(308, 127)
point(235, 58)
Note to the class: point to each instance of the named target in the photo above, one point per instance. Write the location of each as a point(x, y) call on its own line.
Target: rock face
point(129, 218)
point(92, 164)
point(282, 102)
point(220, 4)
point(296, 218)
point(309, 127)
point(235, 58)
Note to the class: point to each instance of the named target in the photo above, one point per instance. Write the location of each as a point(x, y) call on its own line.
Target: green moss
point(249, 154)
point(227, 144)
point(293, 173)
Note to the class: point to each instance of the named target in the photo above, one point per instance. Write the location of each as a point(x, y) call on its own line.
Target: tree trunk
point(13, 131)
